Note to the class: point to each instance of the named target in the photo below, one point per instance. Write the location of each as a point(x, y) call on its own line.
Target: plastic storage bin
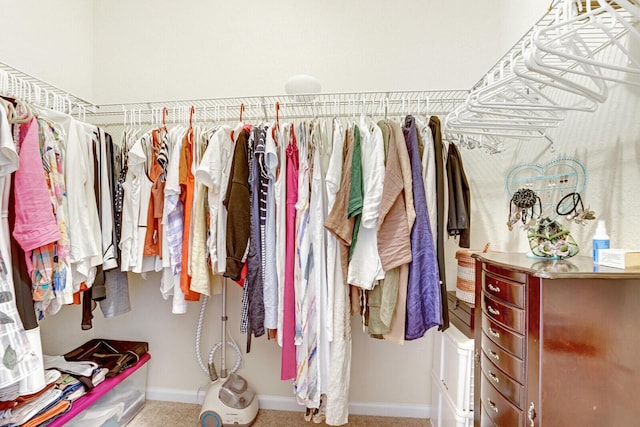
point(111, 403)
point(443, 413)
point(452, 379)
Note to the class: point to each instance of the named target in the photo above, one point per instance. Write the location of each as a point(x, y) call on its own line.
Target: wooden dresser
point(557, 343)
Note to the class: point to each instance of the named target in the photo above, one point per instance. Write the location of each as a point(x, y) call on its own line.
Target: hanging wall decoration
point(550, 181)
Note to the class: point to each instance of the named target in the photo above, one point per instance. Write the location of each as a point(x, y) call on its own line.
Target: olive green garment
point(356, 197)
point(386, 135)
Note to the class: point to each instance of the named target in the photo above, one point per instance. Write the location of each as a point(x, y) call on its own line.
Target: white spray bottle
point(600, 240)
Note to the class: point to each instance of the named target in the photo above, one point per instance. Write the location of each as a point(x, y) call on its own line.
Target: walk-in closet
point(337, 213)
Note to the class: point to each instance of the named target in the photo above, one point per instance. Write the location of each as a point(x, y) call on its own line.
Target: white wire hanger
point(571, 40)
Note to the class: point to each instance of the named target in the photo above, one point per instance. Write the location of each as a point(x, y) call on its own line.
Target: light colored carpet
point(170, 414)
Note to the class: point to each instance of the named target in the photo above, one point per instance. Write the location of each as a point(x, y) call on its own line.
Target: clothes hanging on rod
point(44, 258)
point(19, 359)
point(181, 198)
point(242, 166)
point(72, 167)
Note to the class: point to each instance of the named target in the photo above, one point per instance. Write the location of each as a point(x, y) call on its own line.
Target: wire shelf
point(343, 104)
point(15, 83)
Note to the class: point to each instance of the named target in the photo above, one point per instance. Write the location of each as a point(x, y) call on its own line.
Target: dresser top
point(575, 267)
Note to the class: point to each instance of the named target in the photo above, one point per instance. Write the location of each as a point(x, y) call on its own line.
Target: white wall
point(149, 50)
point(226, 48)
point(51, 40)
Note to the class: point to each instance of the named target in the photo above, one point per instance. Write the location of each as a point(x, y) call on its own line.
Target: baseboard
point(281, 403)
point(386, 409)
point(174, 395)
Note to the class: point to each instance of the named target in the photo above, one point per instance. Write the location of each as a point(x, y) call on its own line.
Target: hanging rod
point(18, 84)
point(343, 104)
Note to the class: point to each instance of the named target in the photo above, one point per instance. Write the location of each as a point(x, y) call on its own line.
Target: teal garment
point(356, 191)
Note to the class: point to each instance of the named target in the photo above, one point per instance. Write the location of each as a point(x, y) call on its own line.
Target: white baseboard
point(174, 395)
point(386, 409)
point(281, 403)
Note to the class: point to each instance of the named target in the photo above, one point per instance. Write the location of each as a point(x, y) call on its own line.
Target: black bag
point(114, 355)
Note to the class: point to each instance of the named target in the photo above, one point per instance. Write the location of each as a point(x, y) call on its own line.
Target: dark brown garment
point(434, 125)
point(88, 305)
point(459, 222)
point(238, 204)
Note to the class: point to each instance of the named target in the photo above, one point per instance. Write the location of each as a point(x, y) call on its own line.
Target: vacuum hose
point(210, 369)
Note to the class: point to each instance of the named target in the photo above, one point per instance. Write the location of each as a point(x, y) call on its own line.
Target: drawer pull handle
point(531, 414)
point(493, 311)
point(494, 377)
point(445, 385)
point(494, 333)
point(494, 355)
point(493, 288)
point(492, 405)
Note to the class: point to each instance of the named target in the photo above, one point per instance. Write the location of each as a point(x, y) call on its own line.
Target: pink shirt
point(35, 224)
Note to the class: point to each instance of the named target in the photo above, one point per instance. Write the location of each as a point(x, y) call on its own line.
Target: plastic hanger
point(276, 127)
point(4, 82)
point(567, 48)
point(165, 114)
point(604, 20)
point(506, 112)
point(460, 120)
point(517, 91)
point(568, 98)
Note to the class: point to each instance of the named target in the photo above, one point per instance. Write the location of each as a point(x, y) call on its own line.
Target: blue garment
point(424, 302)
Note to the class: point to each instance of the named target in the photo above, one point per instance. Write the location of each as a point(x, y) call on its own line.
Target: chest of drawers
point(555, 344)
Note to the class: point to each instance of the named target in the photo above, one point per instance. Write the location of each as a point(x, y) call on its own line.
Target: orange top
point(187, 185)
point(153, 237)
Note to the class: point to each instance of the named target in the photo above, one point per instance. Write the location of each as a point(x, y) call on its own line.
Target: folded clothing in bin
point(115, 355)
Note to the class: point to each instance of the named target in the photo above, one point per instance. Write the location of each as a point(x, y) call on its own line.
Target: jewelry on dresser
point(572, 207)
point(522, 208)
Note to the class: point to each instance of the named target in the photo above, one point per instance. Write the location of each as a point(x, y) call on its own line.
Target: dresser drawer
point(510, 341)
point(485, 420)
point(501, 412)
point(507, 386)
point(461, 314)
point(516, 276)
point(510, 364)
point(506, 290)
point(510, 317)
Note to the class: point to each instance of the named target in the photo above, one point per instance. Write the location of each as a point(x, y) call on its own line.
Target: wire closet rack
point(18, 84)
point(289, 107)
point(565, 62)
point(15, 83)
point(506, 110)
